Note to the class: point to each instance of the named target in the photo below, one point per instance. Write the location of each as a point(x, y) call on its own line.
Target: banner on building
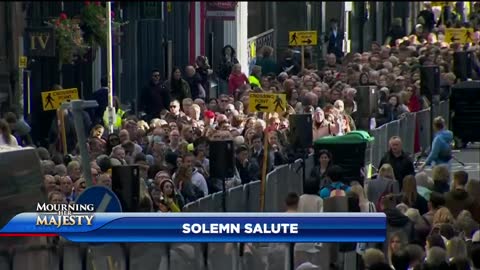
point(221, 10)
point(255, 43)
point(40, 42)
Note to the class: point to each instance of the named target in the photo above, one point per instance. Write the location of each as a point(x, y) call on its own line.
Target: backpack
point(388, 190)
point(337, 192)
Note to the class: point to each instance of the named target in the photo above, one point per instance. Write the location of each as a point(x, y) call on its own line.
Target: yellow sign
point(459, 35)
point(52, 100)
point(439, 4)
point(267, 102)
point(303, 38)
point(22, 62)
point(253, 50)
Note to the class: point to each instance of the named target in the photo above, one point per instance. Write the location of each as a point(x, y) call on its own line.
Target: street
point(470, 157)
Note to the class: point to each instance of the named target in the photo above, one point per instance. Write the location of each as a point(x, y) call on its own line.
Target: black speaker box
point(462, 65)
point(126, 185)
point(430, 81)
point(301, 133)
point(367, 96)
point(222, 159)
point(465, 110)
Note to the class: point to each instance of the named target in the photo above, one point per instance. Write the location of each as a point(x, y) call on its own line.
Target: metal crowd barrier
point(406, 128)
point(219, 256)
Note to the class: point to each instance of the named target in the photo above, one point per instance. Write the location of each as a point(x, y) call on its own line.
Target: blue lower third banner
point(203, 227)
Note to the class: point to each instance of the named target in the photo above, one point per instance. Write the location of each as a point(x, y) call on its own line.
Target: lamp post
point(111, 109)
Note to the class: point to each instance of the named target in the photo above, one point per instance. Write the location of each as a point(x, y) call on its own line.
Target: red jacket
point(414, 104)
point(235, 81)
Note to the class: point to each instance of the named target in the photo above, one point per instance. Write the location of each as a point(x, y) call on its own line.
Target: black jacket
point(402, 165)
point(429, 19)
point(322, 178)
point(225, 67)
point(396, 221)
point(154, 99)
point(193, 83)
point(101, 96)
point(441, 187)
point(335, 43)
point(248, 173)
point(458, 200)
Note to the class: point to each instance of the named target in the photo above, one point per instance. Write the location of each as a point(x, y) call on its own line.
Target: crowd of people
point(431, 222)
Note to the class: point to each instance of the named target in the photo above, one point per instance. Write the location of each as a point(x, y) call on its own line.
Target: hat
point(209, 114)
point(307, 266)
point(171, 158)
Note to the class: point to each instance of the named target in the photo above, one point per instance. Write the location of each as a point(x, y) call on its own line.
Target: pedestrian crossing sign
point(52, 100)
point(459, 35)
point(267, 102)
point(302, 38)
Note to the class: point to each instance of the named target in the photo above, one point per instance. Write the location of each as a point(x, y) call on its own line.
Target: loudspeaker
point(367, 98)
point(301, 134)
point(21, 182)
point(430, 81)
point(462, 65)
point(126, 185)
point(222, 159)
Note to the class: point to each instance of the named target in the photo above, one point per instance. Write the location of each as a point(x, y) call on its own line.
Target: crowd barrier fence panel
point(148, 256)
point(252, 191)
point(423, 121)
point(4, 260)
point(38, 257)
point(294, 178)
point(205, 204)
point(272, 185)
point(409, 128)
point(236, 200)
point(283, 175)
point(309, 164)
point(106, 257)
point(217, 201)
point(73, 256)
point(184, 256)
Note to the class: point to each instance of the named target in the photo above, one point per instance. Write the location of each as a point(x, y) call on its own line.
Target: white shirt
point(13, 141)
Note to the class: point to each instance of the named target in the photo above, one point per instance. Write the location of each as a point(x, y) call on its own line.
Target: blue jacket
point(441, 151)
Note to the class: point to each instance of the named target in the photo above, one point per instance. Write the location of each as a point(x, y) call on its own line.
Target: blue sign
point(104, 199)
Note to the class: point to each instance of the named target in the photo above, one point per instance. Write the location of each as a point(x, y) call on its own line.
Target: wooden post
point(303, 57)
point(61, 130)
point(264, 170)
point(28, 94)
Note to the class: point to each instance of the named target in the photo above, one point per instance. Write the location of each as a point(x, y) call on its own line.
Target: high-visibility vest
point(118, 119)
point(253, 81)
